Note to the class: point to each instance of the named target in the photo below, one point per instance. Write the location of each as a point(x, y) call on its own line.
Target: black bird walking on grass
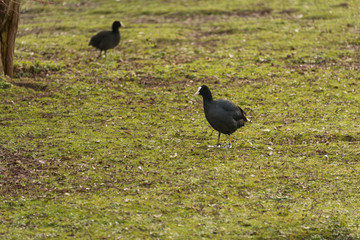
point(223, 115)
point(105, 40)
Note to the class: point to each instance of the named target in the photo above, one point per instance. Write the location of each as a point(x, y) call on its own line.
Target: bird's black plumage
point(223, 115)
point(105, 40)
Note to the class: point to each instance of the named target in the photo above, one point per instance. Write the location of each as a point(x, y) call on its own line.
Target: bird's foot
point(227, 146)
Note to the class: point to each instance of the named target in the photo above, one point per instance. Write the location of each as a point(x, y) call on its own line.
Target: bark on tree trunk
point(9, 20)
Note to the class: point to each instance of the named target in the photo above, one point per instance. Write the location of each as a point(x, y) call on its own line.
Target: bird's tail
point(244, 116)
point(247, 119)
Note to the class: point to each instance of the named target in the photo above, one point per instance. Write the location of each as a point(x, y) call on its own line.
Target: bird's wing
point(237, 112)
point(227, 105)
point(95, 40)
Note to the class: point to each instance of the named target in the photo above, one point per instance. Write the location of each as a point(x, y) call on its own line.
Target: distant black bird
point(223, 115)
point(105, 40)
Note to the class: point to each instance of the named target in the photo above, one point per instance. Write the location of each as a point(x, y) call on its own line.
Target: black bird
point(223, 115)
point(105, 40)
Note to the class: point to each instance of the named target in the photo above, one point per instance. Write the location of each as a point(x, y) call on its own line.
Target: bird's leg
point(229, 145)
point(218, 142)
point(105, 53)
point(99, 54)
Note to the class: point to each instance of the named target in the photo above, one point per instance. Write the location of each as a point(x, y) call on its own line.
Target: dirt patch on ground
point(33, 85)
point(199, 16)
point(188, 80)
point(19, 173)
point(22, 175)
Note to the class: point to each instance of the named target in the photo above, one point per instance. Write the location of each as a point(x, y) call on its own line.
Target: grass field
point(117, 148)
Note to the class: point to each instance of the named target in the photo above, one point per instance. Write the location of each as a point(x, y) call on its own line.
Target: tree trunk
point(9, 20)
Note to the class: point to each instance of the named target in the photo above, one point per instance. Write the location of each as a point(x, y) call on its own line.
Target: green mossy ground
point(117, 148)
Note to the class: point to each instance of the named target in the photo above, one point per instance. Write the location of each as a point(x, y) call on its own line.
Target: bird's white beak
point(198, 92)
